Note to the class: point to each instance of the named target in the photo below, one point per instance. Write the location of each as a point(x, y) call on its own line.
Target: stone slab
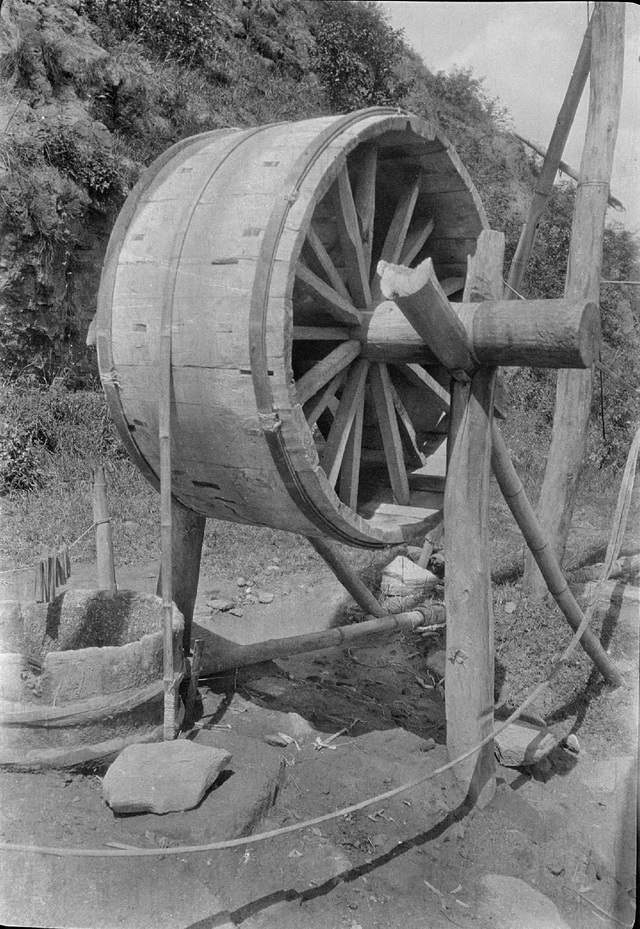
point(162, 777)
point(235, 807)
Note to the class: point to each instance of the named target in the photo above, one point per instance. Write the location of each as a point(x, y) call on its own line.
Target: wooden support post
point(469, 670)
point(468, 597)
point(347, 577)
point(104, 539)
point(574, 389)
point(187, 534)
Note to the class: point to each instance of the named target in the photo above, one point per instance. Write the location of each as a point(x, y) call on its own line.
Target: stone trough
point(81, 677)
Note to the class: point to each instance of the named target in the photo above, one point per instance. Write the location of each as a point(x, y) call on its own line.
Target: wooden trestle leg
point(187, 534)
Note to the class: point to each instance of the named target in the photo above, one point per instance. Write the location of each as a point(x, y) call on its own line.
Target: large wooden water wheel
point(301, 398)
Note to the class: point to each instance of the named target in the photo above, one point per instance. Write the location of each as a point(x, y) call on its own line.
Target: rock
point(572, 743)
point(272, 569)
point(436, 662)
point(162, 777)
point(237, 612)
point(269, 686)
point(236, 806)
point(241, 581)
point(221, 605)
point(264, 597)
point(402, 577)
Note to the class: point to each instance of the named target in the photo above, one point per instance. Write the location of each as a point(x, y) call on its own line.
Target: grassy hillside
point(94, 90)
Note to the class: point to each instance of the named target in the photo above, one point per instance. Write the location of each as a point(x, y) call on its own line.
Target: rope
point(71, 545)
point(118, 851)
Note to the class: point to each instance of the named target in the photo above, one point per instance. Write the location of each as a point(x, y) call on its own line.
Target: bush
point(41, 423)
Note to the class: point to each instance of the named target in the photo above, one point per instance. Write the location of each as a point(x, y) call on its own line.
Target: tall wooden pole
point(469, 669)
point(187, 534)
point(550, 167)
point(574, 388)
point(104, 537)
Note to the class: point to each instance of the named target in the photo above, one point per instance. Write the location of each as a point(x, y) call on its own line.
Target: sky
point(525, 54)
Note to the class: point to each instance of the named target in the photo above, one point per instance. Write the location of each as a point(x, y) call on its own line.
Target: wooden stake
point(104, 539)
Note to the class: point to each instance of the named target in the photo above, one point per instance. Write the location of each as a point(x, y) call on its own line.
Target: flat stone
point(236, 806)
point(162, 777)
point(511, 903)
point(220, 604)
point(265, 597)
point(403, 577)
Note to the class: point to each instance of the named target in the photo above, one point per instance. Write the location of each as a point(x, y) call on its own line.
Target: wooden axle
point(418, 323)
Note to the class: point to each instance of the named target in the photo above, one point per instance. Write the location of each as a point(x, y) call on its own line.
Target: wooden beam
point(350, 239)
point(314, 408)
point(541, 551)
point(353, 392)
point(187, 535)
point(326, 263)
point(414, 242)
point(544, 185)
point(469, 669)
point(574, 390)
point(365, 199)
point(320, 333)
point(383, 399)
point(350, 474)
point(326, 369)
point(338, 306)
point(399, 225)
point(347, 576)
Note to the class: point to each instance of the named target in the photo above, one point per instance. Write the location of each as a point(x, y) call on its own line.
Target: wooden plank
point(339, 307)
point(397, 232)
point(346, 217)
point(320, 333)
point(315, 407)
point(334, 450)
point(327, 264)
point(365, 200)
point(311, 382)
point(350, 473)
point(414, 242)
point(383, 399)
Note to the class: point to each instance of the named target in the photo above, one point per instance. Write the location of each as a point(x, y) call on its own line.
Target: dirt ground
point(555, 848)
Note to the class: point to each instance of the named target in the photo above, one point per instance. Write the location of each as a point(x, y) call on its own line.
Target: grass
point(73, 434)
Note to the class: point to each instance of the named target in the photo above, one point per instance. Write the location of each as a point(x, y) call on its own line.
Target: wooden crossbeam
point(326, 263)
point(350, 240)
point(414, 242)
point(365, 200)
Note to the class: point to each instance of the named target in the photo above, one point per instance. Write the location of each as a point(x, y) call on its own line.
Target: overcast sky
point(526, 52)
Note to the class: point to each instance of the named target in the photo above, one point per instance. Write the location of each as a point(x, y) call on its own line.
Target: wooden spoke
point(383, 399)
point(420, 378)
point(320, 333)
point(410, 440)
point(327, 265)
point(397, 232)
point(414, 242)
point(451, 285)
point(315, 407)
point(339, 307)
point(350, 473)
point(339, 434)
point(350, 241)
point(365, 201)
point(326, 369)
